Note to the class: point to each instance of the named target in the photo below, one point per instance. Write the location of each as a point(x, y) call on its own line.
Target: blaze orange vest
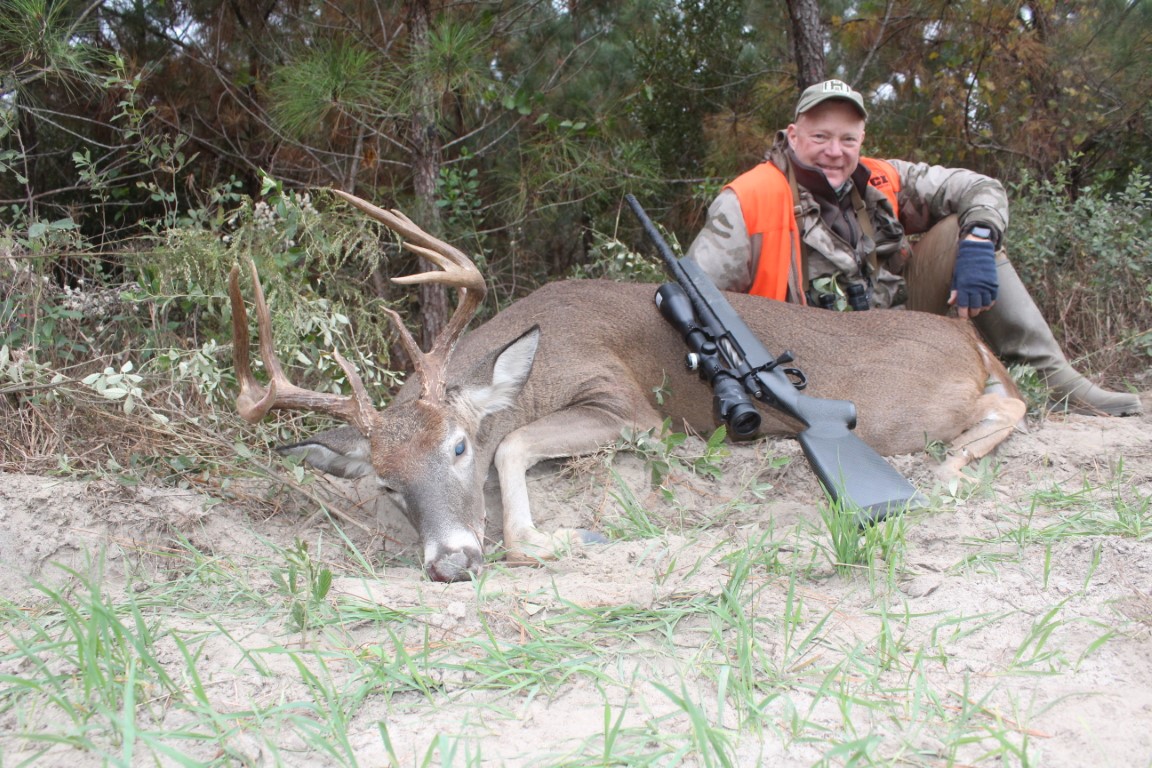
point(766, 202)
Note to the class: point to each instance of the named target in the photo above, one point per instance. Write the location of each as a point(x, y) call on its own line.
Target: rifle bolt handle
point(692, 361)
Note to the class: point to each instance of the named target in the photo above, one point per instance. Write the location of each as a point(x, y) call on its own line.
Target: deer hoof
point(535, 547)
point(591, 537)
point(951, 470)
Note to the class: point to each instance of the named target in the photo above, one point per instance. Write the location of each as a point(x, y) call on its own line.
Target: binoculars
point(855, 294)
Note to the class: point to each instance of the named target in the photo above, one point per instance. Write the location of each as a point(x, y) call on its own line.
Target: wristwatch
point(982, 231)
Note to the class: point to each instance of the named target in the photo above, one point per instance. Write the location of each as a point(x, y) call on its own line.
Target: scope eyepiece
point(732, 406)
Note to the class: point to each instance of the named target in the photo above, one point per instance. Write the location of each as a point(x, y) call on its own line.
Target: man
point(816, 223)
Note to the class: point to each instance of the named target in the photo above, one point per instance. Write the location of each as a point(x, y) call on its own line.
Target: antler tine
point(406, 339)
point(255, 401)
point(248, 402)
point(456, 270)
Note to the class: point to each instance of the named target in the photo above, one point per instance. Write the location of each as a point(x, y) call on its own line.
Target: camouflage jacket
point(839, 248)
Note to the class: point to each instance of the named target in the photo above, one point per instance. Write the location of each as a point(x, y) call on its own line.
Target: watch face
point(983, 232)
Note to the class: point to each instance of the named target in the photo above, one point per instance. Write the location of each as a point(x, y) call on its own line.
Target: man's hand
point(974, 282)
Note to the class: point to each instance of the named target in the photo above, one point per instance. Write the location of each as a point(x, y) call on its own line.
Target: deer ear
point(510, 370)
point(342, 452)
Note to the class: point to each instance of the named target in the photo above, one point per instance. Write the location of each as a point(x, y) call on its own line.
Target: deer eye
point(460, 447)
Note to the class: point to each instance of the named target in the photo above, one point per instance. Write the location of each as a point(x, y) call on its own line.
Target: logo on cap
point(830, 89)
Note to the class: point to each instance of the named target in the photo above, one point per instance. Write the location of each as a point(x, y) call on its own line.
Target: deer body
point(913, 377)
point(564, 370)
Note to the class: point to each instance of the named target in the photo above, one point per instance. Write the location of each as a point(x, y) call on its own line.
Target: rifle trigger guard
point(797, 377)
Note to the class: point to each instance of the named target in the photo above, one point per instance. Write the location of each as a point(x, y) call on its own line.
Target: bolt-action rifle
point(726, 354)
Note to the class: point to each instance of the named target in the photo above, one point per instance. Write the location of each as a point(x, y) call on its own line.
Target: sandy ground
point(1045, 629)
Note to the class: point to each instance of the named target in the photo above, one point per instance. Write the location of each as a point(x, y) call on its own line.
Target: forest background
point(145, 147)
point(174, 592)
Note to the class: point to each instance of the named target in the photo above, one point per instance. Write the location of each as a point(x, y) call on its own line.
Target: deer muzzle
point(455, 558)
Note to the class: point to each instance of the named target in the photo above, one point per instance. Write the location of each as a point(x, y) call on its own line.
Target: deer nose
point(454, 566)
point(455, 562)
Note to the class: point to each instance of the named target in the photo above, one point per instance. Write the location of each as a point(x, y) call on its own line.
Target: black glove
point(974, 278)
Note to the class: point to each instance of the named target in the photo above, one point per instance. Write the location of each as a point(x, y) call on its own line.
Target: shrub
point(119, 360)
point(1086, 256)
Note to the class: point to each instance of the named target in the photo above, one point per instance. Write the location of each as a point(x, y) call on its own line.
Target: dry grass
point(1101, 332)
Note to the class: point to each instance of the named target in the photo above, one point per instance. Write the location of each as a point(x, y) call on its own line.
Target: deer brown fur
point(565, 369)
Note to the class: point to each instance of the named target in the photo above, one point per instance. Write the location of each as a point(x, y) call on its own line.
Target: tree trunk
point(425, 171)
point(807, 42)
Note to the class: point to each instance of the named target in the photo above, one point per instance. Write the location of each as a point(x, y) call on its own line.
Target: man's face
point(829, 137)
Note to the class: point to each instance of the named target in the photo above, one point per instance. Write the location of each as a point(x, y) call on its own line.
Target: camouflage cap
point(830, 89)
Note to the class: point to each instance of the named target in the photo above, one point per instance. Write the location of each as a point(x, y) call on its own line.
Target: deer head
point(422, 451)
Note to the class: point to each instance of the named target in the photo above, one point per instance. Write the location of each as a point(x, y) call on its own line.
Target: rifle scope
point(730, 401)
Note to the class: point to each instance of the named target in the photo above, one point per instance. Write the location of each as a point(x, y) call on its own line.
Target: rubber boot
point(1014, 327)
point(1016, 331)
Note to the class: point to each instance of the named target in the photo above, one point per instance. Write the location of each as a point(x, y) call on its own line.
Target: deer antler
point(255, 401)
point(456, 271)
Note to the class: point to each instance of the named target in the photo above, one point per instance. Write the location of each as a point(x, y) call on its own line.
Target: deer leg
point(570, 432)
point(1000, 416)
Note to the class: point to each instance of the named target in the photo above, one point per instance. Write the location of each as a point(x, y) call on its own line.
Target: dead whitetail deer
point(565, 370)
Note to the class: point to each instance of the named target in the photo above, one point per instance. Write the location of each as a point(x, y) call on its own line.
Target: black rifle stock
point(729, 356)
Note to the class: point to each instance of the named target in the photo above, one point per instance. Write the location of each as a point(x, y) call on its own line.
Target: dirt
point(1014, 619)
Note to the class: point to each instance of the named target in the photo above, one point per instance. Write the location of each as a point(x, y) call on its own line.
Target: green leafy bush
point(1086, 256)
point(128, 364)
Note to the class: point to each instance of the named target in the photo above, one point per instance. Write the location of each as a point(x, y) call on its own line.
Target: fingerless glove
point(974, 278)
